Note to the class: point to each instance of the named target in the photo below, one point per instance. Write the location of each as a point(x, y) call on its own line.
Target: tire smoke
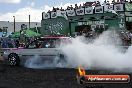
point(37, 62)
point(105, 52)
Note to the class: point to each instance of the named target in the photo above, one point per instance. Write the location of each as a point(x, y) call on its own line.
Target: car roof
point(50, 37)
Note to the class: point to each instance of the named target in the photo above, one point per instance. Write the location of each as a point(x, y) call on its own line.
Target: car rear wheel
point(13, 59)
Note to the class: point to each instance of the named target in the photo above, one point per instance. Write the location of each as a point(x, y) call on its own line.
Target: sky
point(21, 9)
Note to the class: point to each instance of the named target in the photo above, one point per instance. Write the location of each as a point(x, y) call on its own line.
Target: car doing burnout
point(46, 48)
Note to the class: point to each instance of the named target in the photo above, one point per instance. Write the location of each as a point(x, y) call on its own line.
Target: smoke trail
point(39, 63)
point(104, 53)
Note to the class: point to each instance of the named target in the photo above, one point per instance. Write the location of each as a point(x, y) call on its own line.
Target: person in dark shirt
point(80, 6)
point(76, 7)
point(98, 4)
point(17, 43)
point(108, 3)
point(68, 8)
point(62, 9)
point(71, 7)
point(4, 44)
point(54, 10)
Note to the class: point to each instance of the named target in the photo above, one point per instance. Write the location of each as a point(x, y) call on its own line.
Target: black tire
point(13, 59)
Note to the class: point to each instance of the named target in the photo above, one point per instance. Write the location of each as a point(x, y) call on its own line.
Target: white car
point(44, 47)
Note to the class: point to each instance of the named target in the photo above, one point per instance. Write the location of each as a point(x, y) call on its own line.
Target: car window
point(57, 43)
point(35, 44)
point(46, 43)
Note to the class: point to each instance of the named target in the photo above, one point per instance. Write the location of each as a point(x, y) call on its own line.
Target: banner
point(46, 15)
point(89, 10)
point(129, 19)
point(99, 9)
point(53, 14)
point(128, 7)
point(62, 14)
point(128, 14)
point(70, 12)
point(108, 7)
point(118, 7)
point(80, 11)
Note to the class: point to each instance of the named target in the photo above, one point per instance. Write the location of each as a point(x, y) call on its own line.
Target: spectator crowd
point(89, 4)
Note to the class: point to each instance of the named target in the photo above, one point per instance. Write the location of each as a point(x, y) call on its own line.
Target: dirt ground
point(20, 77)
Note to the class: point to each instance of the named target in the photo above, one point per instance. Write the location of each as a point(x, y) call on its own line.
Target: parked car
point(44, 47)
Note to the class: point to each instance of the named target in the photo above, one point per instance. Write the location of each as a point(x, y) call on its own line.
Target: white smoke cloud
point(10, 1)
point(103, 53)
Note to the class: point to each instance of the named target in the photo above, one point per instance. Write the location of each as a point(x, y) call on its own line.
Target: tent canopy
point(28, 33)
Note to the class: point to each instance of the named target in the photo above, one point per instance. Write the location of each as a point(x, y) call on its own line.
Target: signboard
point(118, 7)
point(89, 10)
point(80, 11)
point(46, 15)
point(128, 14)
point(129, 19)
point(99, 9)
point(62, 14)
point(128, 7)
point(108, 7)
point(53, 14)
point(70, 12)
point(92, 23)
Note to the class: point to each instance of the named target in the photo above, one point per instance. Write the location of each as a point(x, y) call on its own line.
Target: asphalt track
point(20, 77)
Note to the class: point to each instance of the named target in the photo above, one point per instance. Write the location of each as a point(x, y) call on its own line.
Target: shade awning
point(28, 33)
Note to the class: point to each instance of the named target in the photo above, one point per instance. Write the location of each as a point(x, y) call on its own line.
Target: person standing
point(17, 43)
